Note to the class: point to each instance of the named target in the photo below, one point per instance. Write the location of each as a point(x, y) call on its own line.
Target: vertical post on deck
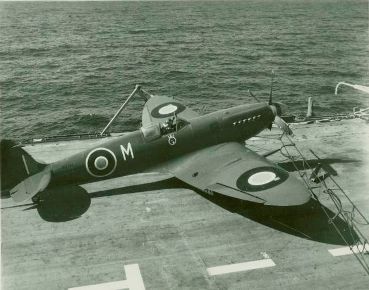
point(310, 108)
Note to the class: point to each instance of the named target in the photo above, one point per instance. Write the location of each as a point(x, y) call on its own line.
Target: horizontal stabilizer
point(31, 186)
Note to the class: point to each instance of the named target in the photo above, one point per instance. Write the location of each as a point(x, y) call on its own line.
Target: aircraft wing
point(159, 108)
point(232, 169)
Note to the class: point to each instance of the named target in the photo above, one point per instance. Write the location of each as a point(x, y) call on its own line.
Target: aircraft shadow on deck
point(66, 203)
point(307, 221)
point(63, 204)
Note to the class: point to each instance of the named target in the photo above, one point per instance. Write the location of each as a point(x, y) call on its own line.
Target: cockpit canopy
point(169, 126)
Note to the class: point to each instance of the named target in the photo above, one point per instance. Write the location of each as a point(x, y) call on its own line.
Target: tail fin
point(16, 165)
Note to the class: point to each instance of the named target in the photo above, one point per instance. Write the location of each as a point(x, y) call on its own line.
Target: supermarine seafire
point(204, 151)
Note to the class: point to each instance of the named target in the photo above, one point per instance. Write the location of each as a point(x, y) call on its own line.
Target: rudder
point(16, 165)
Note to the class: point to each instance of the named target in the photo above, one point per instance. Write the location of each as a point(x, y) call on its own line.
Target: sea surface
point(65, 67)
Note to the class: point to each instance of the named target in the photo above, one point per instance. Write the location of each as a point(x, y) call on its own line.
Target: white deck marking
point(347, 251)
point(134, 281)
point(232, 268)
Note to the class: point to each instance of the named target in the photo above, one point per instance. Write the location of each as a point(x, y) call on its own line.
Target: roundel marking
point(261, 178)
point(101, 162)
point(167, 109)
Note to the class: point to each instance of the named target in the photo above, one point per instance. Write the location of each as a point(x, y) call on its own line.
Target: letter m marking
point(127, 151)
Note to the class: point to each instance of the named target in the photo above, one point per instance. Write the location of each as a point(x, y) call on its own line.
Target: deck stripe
point(105, 286)
point(134, 281)
point(347, 251)
point(246, 266)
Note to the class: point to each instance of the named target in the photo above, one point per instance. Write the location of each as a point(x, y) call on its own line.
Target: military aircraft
point(205, 151)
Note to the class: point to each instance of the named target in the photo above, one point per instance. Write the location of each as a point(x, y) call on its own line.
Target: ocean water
point(65, 67)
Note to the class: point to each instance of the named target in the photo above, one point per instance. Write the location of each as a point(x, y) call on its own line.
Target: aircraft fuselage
point(133, 152)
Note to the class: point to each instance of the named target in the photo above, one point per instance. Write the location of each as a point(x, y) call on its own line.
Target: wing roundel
point(159, 108)
point(261, 178)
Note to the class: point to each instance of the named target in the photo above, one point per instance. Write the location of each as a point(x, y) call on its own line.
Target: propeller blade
point(283, 125)
point(252, 95)
point(280, 107)
point(271, 89)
